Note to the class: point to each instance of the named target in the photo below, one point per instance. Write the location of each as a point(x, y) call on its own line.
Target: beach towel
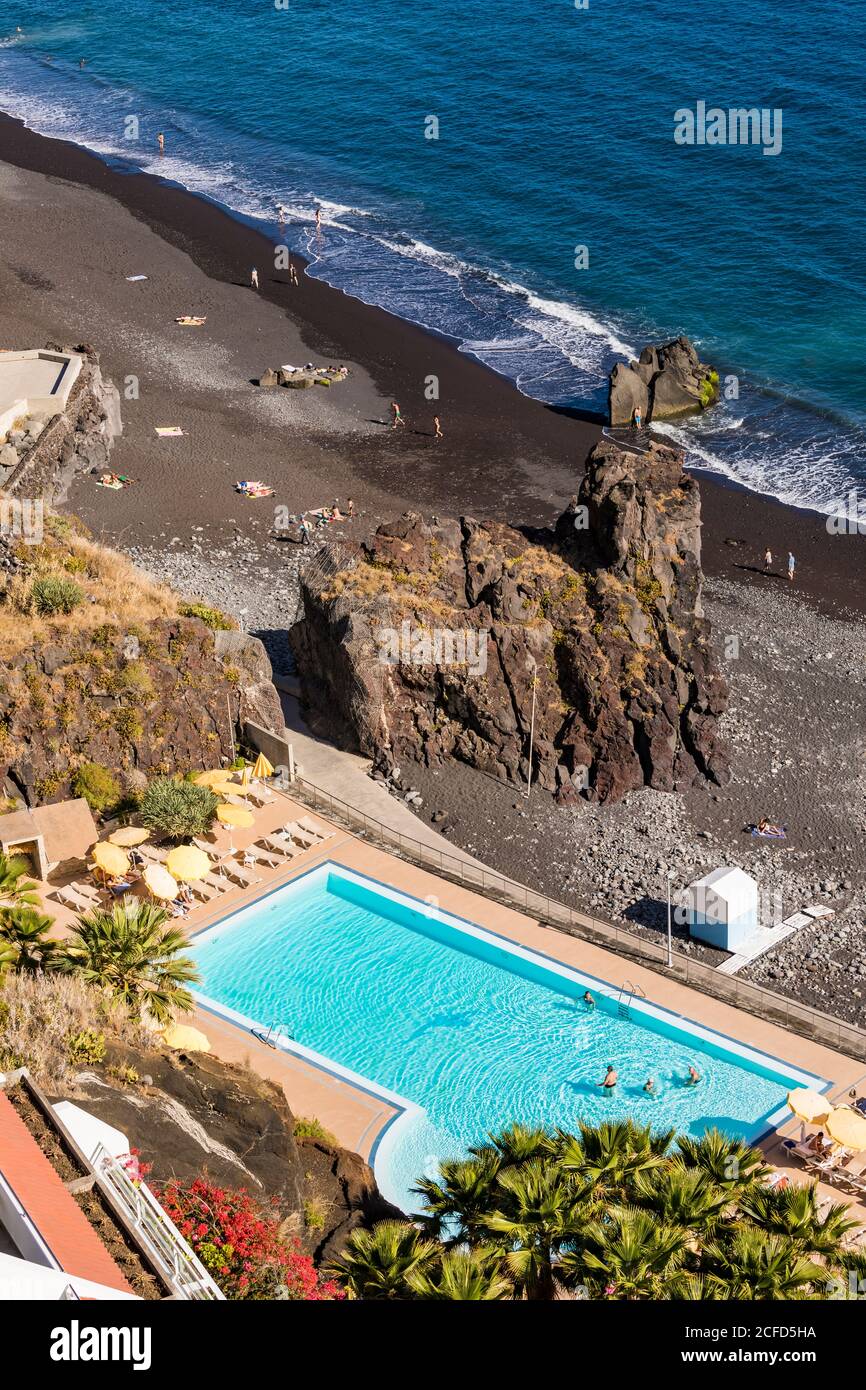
point(168, 431)
point(115, 481)
point(132, 278)
point(779, 832)
point(192, 320)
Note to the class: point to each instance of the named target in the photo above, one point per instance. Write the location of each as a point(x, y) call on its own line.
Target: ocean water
point(473, 1035)
point(555, 131)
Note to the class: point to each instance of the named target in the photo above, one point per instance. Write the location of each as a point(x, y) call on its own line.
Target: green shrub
point(86, 1048)
point(99, 787)
point(51, 593)
point(308, 1128)
point(314, 1215)
point(178, 809)
point(213, 617)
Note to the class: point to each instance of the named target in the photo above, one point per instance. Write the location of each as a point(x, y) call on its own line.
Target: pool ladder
point(271, 1037)
point(626, 998)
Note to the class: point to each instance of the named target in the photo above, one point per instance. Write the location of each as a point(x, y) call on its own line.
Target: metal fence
point(156, 1231)
point(549, 912)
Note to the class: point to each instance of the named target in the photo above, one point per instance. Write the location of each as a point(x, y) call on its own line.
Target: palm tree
point(630, 1252)
point(14, 893)
point(610, 1155)
point(756, 1265)
point(516, 1144)
point(732, 1164)
point(378, 1264)
point(23, 934)
point(458, 1202)
point(538, 1206)
point(130, 952)
point(793, 1212)
point(681, 1196)
point(467, 1276)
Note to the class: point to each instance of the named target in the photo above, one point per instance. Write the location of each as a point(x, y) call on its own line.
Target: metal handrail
point(156, 1231)
point(799, 1018)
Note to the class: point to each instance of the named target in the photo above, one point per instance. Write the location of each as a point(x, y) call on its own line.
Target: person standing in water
point(254, 279)
point(588, 1000)
point(608, 1085)
point(694, 1076)
point(318, 221)
point(160, 140)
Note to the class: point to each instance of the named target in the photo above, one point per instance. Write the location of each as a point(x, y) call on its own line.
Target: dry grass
point(115, 592)
point(39, 1014)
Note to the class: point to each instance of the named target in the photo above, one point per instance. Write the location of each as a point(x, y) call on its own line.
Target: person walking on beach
point(437, 428)
point(768, 560)
point(160, 140)
point(305, 529)
point(254, 279)
point(350, 509)
point(397, 418)
point(792, 565)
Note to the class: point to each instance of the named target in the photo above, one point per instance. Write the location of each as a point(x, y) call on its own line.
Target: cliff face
point(430, 642)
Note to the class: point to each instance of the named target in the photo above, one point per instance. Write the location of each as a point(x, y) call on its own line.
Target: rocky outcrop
point(40, 459)
point(457, 639)
point(667, 381)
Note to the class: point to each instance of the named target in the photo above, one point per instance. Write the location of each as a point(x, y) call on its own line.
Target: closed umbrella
point(235, 817)
point(111, 859)
point(187, 863)
point(246, 775)
point(262, 768)
point(129, 835)
point(847, 1128)
point(160, 882)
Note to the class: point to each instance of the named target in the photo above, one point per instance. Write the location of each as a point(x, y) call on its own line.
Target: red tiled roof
point(52, 1209)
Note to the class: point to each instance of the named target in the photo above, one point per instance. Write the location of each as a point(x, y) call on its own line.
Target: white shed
point(723, 908)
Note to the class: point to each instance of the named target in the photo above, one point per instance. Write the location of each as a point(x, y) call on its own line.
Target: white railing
point(156, 1230)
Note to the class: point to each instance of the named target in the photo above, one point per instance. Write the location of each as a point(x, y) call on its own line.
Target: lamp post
point(531, 658)
point(670, 929)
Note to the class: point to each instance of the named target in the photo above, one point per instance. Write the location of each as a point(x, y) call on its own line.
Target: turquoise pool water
point(471, 1034)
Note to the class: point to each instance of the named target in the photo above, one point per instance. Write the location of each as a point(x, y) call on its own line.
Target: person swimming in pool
point(650, 1086)
point(693, 1077)
point(588, 1000)
point(608, 1085)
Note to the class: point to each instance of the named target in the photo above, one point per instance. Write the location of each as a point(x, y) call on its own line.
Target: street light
point(671, 875)
point(530, 657)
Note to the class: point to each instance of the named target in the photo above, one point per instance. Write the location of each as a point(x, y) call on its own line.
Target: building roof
point(66, 827)
point(726, 883)
point(53, 1210)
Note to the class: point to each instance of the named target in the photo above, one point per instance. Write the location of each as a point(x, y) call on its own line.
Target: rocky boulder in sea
point(667, 381)
point(430, 641)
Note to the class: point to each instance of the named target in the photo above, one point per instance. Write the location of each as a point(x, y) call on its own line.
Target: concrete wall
point(276, 748)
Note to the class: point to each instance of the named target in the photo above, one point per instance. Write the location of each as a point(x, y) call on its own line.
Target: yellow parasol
point(809, 1105)
point(246, 775)
point(234, 816)
point(111, 859)
point(207, 779)
point(181, 1035)
point(262, 768)
point(129, 835)
point(230, 789)
point(187, 863)
point(847, 1128)
point(160, 882)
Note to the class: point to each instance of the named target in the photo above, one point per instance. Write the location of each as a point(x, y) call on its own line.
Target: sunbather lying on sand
point(254, 489)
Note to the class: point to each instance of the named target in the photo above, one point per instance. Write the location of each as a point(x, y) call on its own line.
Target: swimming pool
point(464, 1030)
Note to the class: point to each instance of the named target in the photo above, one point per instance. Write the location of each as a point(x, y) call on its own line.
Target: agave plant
point(130, 952)
point(379, 1264)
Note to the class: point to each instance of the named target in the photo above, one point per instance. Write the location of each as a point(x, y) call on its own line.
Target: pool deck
point(356, 1117)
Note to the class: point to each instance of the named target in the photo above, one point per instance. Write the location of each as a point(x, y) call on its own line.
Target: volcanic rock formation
point(437, 640)
point(666, 382)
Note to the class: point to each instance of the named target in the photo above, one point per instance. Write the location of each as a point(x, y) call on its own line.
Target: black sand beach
point(72, 230)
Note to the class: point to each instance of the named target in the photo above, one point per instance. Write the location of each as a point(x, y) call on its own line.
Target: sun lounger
point(232, 869)
point(282, 846)
point(260, 795)
point(152, 853)
point(320, 833)
point(71, 896)
point(258, 856)
point(300, 835)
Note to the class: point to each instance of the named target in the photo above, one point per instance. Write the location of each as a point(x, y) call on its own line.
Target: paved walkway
point(346, 775)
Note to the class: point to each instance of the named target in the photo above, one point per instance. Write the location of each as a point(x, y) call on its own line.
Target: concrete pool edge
point(407, 1112)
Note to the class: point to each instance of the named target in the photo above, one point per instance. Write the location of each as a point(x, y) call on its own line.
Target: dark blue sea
point(555, 130)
